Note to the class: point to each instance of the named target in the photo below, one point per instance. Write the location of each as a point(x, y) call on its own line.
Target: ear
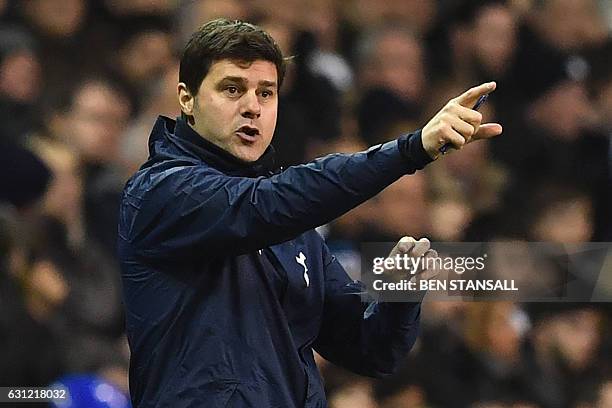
point(186, 99)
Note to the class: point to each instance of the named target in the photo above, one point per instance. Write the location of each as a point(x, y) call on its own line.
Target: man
point(228, 289)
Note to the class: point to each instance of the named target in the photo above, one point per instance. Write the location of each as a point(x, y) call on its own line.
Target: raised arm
point(197, 208)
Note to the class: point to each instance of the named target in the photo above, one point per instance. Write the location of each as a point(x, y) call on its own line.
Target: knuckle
point(446, 129)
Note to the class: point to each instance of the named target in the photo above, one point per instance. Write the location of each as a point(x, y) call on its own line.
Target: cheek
point(214, 113)
point(208, 105)
point(269, 119)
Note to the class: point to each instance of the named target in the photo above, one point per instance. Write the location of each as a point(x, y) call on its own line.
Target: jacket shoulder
point(158, 175)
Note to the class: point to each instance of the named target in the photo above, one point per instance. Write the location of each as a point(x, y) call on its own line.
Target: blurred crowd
point(82, 81)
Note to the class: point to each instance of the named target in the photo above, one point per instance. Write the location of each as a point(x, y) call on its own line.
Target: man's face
point(236, 106)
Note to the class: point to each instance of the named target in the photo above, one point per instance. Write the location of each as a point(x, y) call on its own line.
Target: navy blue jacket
point(227, 287)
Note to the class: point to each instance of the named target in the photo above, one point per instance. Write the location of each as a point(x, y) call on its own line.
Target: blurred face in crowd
point(193, 13)
point(58, 18)
point(396, 63)
point(565, 110)
point(146, 56)
point(451, 216)
point(565, 221)
point(416, 13)
point(96, 122)
point(570, 24)
point(235, 107)
point(504, 332)
point(20, 77)
point(322, 20)
point(397, 218)
point(64, 193)
point(281, 33)
point(494, 34)
point(577, 337)
point(281, 12)
point(495, 329)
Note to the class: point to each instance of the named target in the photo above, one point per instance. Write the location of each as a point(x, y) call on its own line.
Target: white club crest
point(301, 259)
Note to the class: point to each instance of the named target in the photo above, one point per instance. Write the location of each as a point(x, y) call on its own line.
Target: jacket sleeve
point(367, 338)
point(199, 209)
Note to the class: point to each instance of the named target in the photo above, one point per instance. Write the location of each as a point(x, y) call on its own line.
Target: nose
point(250, 108)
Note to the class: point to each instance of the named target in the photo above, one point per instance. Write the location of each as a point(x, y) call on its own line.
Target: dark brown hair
point(226, 39)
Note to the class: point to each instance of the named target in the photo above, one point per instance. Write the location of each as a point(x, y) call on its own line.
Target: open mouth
point(248, 133)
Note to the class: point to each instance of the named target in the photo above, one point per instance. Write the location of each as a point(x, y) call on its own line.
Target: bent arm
point(371, 344)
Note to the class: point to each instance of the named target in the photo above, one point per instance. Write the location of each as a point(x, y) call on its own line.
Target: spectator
point(92, 120)
point(392, 80)
point(143, 55)
point(561, 354)
point(20, 84)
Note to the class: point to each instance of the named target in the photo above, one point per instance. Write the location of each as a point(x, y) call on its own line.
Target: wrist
point(411, 148)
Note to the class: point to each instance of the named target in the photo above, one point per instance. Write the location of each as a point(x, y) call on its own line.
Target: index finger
point(469, 97)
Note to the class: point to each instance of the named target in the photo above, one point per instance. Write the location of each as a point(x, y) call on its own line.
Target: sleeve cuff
point(411, 147)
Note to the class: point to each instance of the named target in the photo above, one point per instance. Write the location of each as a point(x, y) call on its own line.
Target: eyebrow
point(267, 83)
point(244, 80)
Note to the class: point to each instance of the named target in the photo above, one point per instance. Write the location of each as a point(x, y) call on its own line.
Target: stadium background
point(82, 81)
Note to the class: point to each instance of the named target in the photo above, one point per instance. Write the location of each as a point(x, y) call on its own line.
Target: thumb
point(487, 131)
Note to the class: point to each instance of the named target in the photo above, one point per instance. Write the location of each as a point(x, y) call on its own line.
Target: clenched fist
point(458, 124)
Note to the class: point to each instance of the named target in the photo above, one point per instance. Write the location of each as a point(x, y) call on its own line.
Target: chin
point(247, 154)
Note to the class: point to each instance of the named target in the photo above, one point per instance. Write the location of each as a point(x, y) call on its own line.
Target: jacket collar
point(191, 143)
